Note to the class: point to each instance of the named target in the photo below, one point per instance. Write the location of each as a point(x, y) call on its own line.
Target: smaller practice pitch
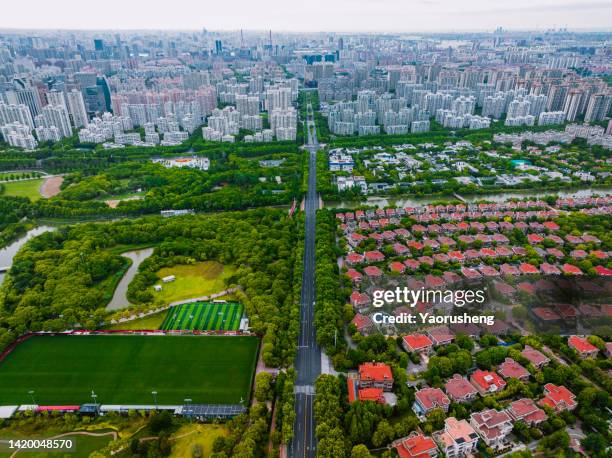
point(204, 316)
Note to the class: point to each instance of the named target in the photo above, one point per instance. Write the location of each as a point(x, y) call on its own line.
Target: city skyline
point(391, 16)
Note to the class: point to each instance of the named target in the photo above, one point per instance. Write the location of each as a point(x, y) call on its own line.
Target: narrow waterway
point(8, 253)
point(383, 202)
point(119, 300)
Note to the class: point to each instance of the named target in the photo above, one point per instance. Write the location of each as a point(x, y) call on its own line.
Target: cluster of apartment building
point(595, 135)
point(224, 124)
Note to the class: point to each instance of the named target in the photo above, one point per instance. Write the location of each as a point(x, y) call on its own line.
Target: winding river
point(8, 253)
point(119, 300)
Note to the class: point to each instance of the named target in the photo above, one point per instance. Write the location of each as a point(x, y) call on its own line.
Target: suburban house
point(526, 410)
point(457, 439)
point(416, 445)
point(353, 259)
point(363, 323)
point(372, 272)
point(558, 398)
point(535, 357)
point(492, 426)
point(374, 256)
point(376, 375)
point(428, 399)
point(441, 335)
point(359, 301)
point(487, 382)
point(511, 369)
point(364, 394)
point(459, 389)
point(582, 346)
point(354, 275)
point(417, 343)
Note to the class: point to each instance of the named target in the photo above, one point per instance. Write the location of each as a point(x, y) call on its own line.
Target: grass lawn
point(28, 188)
point(204, 316)
point(195, 280)
point(125, 369)
point(195, 433)
point(148, 322)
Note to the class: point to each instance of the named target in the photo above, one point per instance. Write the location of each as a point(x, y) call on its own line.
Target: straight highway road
point(308, 360)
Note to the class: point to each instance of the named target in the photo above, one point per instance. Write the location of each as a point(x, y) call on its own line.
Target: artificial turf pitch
point(63, 370)
point(204, 316)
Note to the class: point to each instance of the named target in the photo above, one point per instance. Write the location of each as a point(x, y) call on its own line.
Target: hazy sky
point(308, 15)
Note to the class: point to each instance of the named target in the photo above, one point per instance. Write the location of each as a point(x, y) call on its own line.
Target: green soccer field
point(204, 316)
point(126, 369)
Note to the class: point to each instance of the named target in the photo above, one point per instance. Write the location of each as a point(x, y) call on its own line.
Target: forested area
point(329, 308)
point(59, 279)
point(232, 183)
point(70, 155)
point(12, 210)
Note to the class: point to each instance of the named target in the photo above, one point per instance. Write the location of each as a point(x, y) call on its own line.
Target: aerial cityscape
point(346, 229)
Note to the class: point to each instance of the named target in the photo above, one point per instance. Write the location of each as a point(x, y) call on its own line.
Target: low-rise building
point(416, 445)
point(582, 346)
point(511, 369)
point(428, 399)
point(526, 410)
point(487, 382)
point(459, 389)
point(377, 375)
point(417, 343)
point(492, 426)
point(457, 439)
point(535, 357)
point(441, 335)
point(558, 398)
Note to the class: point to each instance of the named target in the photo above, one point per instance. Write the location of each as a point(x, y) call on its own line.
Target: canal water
point(119, 300)
point(382, 202)
point(8, 253)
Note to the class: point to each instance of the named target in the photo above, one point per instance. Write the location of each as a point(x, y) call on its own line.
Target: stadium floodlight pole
point(31, 393)
point(187, 402)
point(94, 396)
point(154, 393)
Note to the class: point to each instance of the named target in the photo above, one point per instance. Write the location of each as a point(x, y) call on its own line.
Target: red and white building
point(441, 335)
point(360, 301)
point(459, 389)
point(511, 369)
point(428, 399)
point(582, 346)
point(416, 445)
point(417, 343)
point(375, 375)
point(535, 357)
point(558, 398)
point(487, 382)
point(527, 411)
point(457, 439)
point(364, 394)
point(492, 426)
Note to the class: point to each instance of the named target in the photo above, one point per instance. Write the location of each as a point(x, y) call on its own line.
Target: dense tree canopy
point(58, 280)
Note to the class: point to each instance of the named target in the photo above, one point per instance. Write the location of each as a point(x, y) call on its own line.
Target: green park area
point(126, 369)
point(194, 280)
point(26, 188)
point(196, 435)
